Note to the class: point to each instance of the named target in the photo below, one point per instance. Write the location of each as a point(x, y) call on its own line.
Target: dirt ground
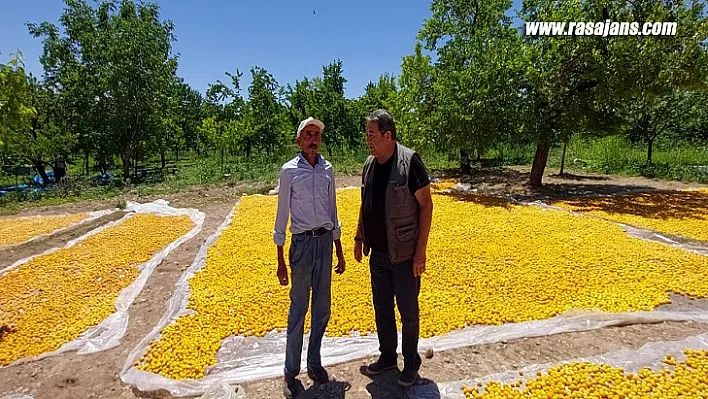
point(97, 375)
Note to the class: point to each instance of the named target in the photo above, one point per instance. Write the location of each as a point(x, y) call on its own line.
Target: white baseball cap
point(307, 122)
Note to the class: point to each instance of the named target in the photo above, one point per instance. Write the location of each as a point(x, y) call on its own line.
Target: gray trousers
point(310, 268)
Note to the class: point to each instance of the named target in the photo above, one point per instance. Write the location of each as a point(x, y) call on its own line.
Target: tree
point(477, 73)
point(189, 115)
point(694, 126)
point(662, 72)
point(414, 102)
point(300, 101)
point(323, 98)
point(224, 111)
point(115, 62)
point(331, 107)
point(380, 95)
point(267, 115)
point(30, 119)
point(583, 83)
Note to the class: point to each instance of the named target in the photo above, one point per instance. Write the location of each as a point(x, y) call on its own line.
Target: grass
point(610, 155)
point(614, 155)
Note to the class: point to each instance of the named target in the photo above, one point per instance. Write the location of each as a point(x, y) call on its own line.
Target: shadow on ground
point(332, 389)
point(385, 386)
point(570, 176)
point(511, 182)
point(656, 205)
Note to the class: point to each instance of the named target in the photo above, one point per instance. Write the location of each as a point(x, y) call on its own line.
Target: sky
point(291, 39)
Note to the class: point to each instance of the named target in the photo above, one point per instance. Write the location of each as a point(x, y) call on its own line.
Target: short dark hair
point(384, 121)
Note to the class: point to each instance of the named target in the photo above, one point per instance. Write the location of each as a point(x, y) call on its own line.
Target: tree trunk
point(539, 164)
point(39, 165)
point(162, 159)
point(650, 150)
point(248, 150)
point(565, 145)
point(125, 158)
point(135, 166)
point(86, 162)
point(465, 161)
point(222, 158)
point(177, 154)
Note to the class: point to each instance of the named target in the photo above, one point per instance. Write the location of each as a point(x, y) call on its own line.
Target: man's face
point(310, 140)
point(376, 141)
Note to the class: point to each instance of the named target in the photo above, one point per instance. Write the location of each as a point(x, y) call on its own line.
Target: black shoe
point(379, 367)
point(291, 387)
point(318, 374)
point(408, 377)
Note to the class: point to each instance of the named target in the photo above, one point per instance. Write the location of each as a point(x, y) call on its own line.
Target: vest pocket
point(406, 233)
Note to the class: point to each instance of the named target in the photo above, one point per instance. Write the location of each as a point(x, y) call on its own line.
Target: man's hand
point(282, 270)
point(419, 264)
point(341, 265)
point(357, 250)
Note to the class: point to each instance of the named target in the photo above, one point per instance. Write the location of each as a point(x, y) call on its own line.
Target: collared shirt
point(306, 194)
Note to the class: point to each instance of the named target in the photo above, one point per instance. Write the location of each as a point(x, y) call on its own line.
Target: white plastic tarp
point(108, 333)
point(91, 217)
point(242, 359)
point(650, 355)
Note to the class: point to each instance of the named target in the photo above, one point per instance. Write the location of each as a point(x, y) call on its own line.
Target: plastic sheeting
point(177, 308)
point(242, 359)
point(91, 217)
point(650, 355)
point(108, 333)
point(17, 396)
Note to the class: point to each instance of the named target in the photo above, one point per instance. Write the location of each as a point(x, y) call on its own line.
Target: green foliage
point(30, 119)
point(266, 114)
point(618, 155)
point(477, 74)
point(110, 95)
point(115, 67)
point(661, 76)
point(323, 98)
point(380, 95)
point(414, 103)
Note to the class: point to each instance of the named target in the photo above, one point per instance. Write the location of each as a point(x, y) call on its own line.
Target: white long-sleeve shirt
point(308, 195)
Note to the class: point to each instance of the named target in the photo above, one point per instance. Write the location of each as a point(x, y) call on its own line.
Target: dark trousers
point(389, 281)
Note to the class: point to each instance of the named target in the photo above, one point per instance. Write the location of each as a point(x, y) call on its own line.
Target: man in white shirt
point(307, 195)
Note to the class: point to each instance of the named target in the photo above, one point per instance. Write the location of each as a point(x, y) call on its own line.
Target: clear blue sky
point(285, 37)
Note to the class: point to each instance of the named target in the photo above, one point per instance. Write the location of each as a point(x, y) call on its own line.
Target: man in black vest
point(394, 223)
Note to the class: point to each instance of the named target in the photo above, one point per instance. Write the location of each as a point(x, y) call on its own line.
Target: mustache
point(313, 145)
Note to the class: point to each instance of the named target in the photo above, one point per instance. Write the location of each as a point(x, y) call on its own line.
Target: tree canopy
point(473, 82)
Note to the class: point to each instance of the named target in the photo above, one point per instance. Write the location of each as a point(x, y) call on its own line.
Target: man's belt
point(314, 233)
